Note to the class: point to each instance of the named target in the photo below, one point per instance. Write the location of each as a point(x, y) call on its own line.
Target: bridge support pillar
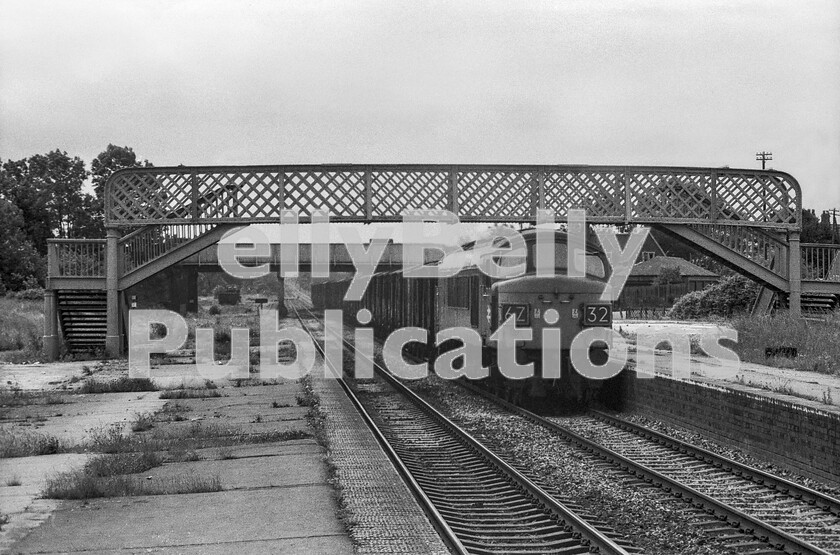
point(281, 297)
point(794, 275)
point(50, 326)
point(113, 342)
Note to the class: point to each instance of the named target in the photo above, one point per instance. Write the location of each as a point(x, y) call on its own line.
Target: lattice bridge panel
point(357, 193)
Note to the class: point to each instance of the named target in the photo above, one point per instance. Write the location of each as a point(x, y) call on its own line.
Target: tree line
point(42, 197)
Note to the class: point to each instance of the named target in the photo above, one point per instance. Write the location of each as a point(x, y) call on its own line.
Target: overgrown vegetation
point(122, 384)
point(122, 463)
point(25, 443)
point(189, 393)
point(731, 296)
point(196, 435)
point(87, 484)
point(817, 342)
point(21, 329)
point(142, 422)
point(14, 396)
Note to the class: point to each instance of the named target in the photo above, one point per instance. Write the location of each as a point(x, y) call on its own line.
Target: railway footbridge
point(155, 218)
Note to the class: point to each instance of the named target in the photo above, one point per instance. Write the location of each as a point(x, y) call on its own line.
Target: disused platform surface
point(275, 498)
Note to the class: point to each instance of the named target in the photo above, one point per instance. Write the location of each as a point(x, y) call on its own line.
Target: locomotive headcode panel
point(518, 311)
point(597, 315)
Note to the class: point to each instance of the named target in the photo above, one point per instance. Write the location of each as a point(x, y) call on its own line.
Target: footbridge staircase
point(158, 217)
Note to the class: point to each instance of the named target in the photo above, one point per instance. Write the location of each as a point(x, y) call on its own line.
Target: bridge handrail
point(820, 262)
point(757, 244)
point(76, 258)
point(150, 242)
point(367, 193)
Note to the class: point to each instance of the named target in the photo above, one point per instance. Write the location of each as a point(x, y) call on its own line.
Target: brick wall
point(800, 435)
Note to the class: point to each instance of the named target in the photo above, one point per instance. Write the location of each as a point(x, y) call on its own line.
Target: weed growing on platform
point(14, 396)
point(171, 412)
point(110, 439)
point(817, 341)
point(83, 485)
point(122, 463)
point(118, 385)
point(189, 393)
point(28, 444)
point(142, 422)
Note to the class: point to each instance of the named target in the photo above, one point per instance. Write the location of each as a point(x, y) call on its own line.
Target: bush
point(32, 294)
point(21, 329)
point(732, 295)
point(214, 310)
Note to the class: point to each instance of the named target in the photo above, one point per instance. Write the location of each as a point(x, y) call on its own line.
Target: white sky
point(705, 83)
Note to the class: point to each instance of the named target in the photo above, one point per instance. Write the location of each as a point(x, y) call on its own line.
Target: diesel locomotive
point(474, 300)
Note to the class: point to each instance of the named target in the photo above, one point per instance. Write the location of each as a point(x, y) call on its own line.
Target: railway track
point(478, 502)
point(797, 510)
point(741, 502)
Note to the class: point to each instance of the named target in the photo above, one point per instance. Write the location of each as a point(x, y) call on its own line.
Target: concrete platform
point(276, 497)
point(794, 386)
point(256, 521)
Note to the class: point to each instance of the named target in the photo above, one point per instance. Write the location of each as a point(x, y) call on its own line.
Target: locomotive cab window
point(595, 266)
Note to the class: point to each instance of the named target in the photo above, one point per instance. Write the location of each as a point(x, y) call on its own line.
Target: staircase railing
point(82, 258)
point(76, 258)
point(750, 242)
point(140, 247)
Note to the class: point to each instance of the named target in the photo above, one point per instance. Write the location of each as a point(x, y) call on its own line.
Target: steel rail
point(438, 522)
point(798, 491)
point(767, 533)
point(591, 536)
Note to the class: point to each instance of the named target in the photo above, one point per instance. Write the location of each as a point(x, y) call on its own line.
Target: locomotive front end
point(568, 304)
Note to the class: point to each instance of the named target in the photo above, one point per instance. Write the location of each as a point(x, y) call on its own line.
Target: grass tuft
point(15, 396)
point(28, 444)
point(189, 393)
point(118, 385)
point(197, 435)
point(81, 485)
point(122, 463)
point(142, 422)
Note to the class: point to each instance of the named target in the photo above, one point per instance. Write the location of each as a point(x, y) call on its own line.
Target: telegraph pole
point(763, 156)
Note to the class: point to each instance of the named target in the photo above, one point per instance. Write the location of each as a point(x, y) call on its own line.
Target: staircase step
point(83, 317)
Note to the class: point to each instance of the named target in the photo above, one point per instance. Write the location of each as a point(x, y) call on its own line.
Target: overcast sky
point(698, 83)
